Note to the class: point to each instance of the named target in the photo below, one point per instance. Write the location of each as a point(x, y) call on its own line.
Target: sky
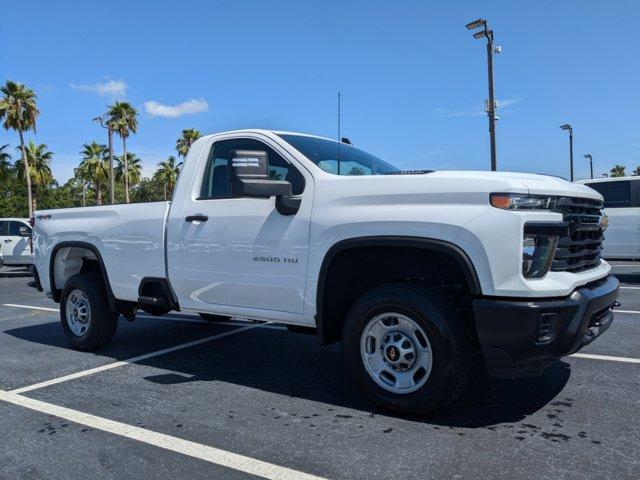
point(412, 78)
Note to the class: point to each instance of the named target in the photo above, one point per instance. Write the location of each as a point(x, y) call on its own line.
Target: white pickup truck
point(420, 274)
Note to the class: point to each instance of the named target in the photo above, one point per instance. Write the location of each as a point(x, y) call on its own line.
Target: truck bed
point(130, 239)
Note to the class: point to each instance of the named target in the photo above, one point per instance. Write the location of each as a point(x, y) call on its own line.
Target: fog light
point(537, 254)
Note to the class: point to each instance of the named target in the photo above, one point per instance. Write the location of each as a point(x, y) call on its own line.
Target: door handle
point(198, 217)
point(8, 241)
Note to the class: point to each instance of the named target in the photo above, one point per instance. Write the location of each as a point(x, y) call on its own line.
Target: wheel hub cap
point(396, 352)
point(78, 312)
point(399, 351)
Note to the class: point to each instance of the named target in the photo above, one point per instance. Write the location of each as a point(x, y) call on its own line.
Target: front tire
point(87, 319)
point(406, 348)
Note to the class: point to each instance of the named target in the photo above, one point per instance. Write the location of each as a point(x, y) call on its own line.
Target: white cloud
point(110, 88)
point(474, 112)
point(509, 101)
point(188, 107)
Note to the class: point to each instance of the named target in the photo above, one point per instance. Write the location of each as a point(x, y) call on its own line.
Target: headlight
point(518, 201)
point(537, 254)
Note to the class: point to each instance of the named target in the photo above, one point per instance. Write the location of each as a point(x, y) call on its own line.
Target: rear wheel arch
point(333, 306)
point(70, 258)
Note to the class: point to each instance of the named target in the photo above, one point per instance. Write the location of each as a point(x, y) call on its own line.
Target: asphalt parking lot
point(174, 397)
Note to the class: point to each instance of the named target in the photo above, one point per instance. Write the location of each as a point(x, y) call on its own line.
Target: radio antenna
point(339, 141)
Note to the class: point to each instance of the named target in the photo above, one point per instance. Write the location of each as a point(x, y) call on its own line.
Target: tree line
point(619, 171)
point(27, 183)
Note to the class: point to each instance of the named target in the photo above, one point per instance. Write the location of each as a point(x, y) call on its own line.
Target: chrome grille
point(580, 250)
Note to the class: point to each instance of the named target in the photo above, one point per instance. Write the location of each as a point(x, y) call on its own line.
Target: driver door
point(236, 253)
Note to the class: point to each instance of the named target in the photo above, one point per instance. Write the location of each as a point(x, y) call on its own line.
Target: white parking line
point(185, 447)
point(30, 307)
point(629, 288)
point(606, 357)
point(121, 363)
point(626, 311)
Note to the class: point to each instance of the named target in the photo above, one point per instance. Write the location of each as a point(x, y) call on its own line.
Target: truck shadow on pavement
point(628, 277)
point(295, 365)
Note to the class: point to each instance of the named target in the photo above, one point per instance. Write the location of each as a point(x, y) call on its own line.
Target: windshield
point(338, 158)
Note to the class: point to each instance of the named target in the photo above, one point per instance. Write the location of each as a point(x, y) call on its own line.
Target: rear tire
point(209, 317)
point(406, 348)
point(87, 319)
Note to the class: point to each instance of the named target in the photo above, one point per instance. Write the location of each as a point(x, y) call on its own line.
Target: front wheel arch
point(390, 263)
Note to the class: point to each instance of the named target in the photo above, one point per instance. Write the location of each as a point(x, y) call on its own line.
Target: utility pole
point(566, 126)
point(490, 105)
point(590, 158)
point(111, 177)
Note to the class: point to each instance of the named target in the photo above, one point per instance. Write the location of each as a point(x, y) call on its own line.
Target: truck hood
point(532, 183)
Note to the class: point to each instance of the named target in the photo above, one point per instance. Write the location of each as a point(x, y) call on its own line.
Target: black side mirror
point(25, 231)
point(249, 175)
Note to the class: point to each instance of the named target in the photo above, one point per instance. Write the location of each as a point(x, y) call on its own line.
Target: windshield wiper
point(408, 172)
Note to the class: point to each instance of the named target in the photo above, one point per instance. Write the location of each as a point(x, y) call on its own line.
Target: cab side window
point(14, 228)
point(215, 183)
point(616, 194)
point(3, 227)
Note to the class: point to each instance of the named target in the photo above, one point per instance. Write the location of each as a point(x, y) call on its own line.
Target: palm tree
point(618, 171)
point(167, 174)
point(636, 172)
point(129, 167)
point(19, 111)
point(81, 172)
point(5, 163)
point(39, 161)
point(183, 144)
point(112, 188)
point(96, 166)
point(123, 121)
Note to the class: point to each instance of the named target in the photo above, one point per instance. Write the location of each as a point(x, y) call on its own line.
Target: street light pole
point(490, 104)
point(491, 111)
point(566, 126)
point(111, 178)
point(590, 158)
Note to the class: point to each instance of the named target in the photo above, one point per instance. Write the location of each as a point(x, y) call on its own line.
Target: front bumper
point(522, 337)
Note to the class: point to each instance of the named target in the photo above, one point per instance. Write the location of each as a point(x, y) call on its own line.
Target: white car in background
point(622, 206)
point(15, 238)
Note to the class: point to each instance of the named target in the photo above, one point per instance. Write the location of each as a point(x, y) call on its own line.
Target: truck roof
point(14, 219)
point(608, 179)
point(273, 132)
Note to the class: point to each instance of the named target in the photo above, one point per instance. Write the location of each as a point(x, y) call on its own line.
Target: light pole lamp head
point(481, 22)
point(566, 126)
point(588, 156)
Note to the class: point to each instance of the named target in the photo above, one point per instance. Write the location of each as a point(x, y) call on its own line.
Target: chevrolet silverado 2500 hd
point(418, 273)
